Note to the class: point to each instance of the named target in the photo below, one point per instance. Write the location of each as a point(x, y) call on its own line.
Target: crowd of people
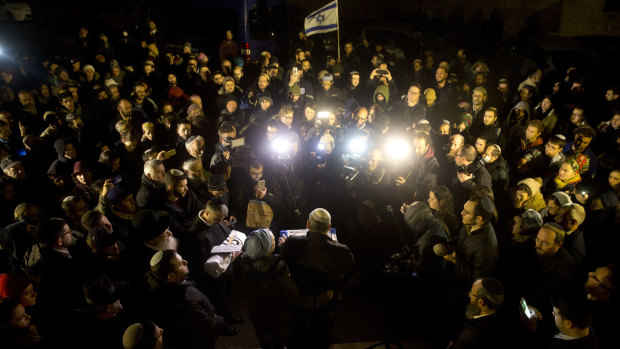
point(125, 165)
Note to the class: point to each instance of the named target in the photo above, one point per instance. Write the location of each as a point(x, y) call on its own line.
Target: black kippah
point(487, 204)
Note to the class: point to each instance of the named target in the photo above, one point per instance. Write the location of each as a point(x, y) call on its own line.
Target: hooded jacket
point(419, 218)
point(515, 128)
point(385, 91)
point(536, 201)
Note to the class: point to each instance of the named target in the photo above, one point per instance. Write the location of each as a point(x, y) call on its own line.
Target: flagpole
point(338, 29)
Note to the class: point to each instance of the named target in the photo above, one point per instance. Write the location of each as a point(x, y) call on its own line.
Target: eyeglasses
point(551, 146)
point(592, 275)
point(542, 242)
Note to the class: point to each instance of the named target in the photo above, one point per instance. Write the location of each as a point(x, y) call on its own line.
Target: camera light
point(398, 149)
point(357, 146)
point(280, 145)
point(320, 146)
point(323, 114)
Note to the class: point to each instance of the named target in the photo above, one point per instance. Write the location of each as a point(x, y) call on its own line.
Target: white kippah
point(320, 215)
point(156, 258)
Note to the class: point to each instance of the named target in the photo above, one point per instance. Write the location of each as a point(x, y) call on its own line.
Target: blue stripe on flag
point(322, 27)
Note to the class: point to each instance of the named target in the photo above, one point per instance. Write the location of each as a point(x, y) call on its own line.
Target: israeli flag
point(323, 20)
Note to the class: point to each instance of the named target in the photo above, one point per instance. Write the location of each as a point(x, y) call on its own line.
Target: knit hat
point(114, 64)
point(265, 97)
point(193, 108)
point(231, 98)
point(12, 285)
point(531, 219)
point(141, 335)
point(295, 89)
point(150, 224)
point(228, 78)
point(579, 162)
point(216, 182)
point(9, 162)
point(327, 77)
point(88, 67)
point(258, 243)
point(533, 184)
point(577, 212)
point(430, 93)
point(562, 198)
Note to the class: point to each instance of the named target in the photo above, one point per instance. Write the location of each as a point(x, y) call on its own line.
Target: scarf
point(525, 146)
point(561, 184)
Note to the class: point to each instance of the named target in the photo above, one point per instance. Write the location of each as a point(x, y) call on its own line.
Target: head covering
point(531, 219)
point(430, 93)
point(187, 44)
point(88, 67)
point(228, 78)
point(562, 198)
point(100, 291)
point(265, 97)
point(114, 64)
point(149, 62)
point(577, 212)
point(531, 183)
point(295, 89)
point(79, 167)
point(216, 182)
point(8, 162)
point(193, 108)
point(150, 224)
point(320, 218)
point(418, 216)
point(119, 192)
point(258, 243)
point(12, 285)
point(327, 77)
point(141, 335)
point(59, 70)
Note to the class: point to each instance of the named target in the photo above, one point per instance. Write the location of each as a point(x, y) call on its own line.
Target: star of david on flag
point(323, 20)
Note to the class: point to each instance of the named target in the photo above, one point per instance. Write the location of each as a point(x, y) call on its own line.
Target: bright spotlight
point(398, 149)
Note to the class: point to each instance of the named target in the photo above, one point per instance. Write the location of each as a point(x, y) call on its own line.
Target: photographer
point(469, 174)
point(422, 170)
point(220, 161)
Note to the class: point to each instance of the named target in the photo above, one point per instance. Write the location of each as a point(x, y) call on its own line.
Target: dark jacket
point(317, 263)
point(151, 194)
point(476, 254)
point(186, 314)
point(273, 296)
point(481, 333)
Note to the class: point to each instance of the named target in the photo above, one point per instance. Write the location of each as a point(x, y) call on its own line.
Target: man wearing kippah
point(547, 273)
point(317, 264)
point(476, 254)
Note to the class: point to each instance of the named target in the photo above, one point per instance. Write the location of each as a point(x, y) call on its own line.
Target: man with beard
point(245, 188)
point(476, 253)
point(125, 112)
point(602, 291)
point(411, 110)
point(546, 270)
point(197, 178)
point(141, 103)
point(483, 328)
point(422, 171)
point(181, 202)
point(210, 230)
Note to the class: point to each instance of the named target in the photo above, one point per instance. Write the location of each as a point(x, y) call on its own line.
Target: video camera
point(473, 167)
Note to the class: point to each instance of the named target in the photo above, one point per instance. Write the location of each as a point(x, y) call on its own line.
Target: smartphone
point(234, 143)
point(526, 310)
point(117, 179)
point(382, 72)
point(261, 184)
point(170, 153)
point(295, 70)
